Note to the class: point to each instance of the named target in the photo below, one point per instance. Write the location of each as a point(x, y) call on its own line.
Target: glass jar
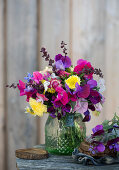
point(62, 136)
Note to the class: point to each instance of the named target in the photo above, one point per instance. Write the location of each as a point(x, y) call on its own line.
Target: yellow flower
point(51, 90)
point(37, 107)
point(96, 113)
point(28, 110)
point(72, 80)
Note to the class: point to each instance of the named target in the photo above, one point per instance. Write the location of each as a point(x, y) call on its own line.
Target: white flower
point(101, 85)
point(47, 69)
point(53, 75)
point(46, 84)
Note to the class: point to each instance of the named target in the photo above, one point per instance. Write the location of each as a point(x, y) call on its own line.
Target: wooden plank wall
point(2, 113)
point(21, 58)
point(54, 27)
point(91, 29)
point(88, 37)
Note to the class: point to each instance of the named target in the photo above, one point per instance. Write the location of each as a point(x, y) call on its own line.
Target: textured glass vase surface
point(62, 136)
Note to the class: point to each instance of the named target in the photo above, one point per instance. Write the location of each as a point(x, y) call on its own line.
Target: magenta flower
point(41, 98)
point(82, 91)
point(81, 106)
point(62, 62)
point(72, 97)
point(62, 96)
point(28, 91)
point(21, 86)
point(54, 83)
point(37, 76)
point(63, 73)
point(83, 64)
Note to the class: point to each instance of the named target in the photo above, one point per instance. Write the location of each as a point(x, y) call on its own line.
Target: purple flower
point(66, 108)
point(81, 106)
point(29, 77)
point(92, 83)
point(99, 147)
point(95, 96)
point(62, 62)
point(91, 107)
point(98, 130)
point(113, 144)
point(82, 91)
point(87, 116)
point(52, 111)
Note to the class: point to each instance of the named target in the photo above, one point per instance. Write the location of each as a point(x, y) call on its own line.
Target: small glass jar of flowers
point(67, 94)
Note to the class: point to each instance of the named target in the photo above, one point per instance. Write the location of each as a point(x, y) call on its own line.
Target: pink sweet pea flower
point(37, 76)
point(41, 98)
point(81, 106)
point(21, 86)
point(63, 73)
point(29, 91)
point(62, 96)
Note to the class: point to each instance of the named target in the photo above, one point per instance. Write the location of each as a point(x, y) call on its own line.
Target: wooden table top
point(55, 162)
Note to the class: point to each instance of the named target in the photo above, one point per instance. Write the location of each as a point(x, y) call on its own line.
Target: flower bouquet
point(67, 93)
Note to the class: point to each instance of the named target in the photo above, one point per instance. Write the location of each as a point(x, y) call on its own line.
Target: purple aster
point(62, 62)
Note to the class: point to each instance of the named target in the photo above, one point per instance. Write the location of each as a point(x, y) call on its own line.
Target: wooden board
point(55, 162)
point(21, 58)
point(2, 81)
point(54, 26)
point(31, 153)
point(88, 35)
point(112, 58)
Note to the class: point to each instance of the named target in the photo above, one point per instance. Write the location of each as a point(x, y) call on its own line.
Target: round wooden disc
point(31, 153)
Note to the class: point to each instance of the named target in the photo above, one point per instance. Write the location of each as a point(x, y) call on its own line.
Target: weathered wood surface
point(54, 26)
point(21, 58)
point(58, 163)
point(2, 113)
point(88, 38)
point(112, 58)
point(31, 153)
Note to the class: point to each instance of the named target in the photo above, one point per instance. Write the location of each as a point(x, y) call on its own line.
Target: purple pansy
point(87, 116)
point(62, 62)
point(98, 130)
point(114, 144)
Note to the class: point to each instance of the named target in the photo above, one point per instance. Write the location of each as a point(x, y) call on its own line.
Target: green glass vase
point(62, 136)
